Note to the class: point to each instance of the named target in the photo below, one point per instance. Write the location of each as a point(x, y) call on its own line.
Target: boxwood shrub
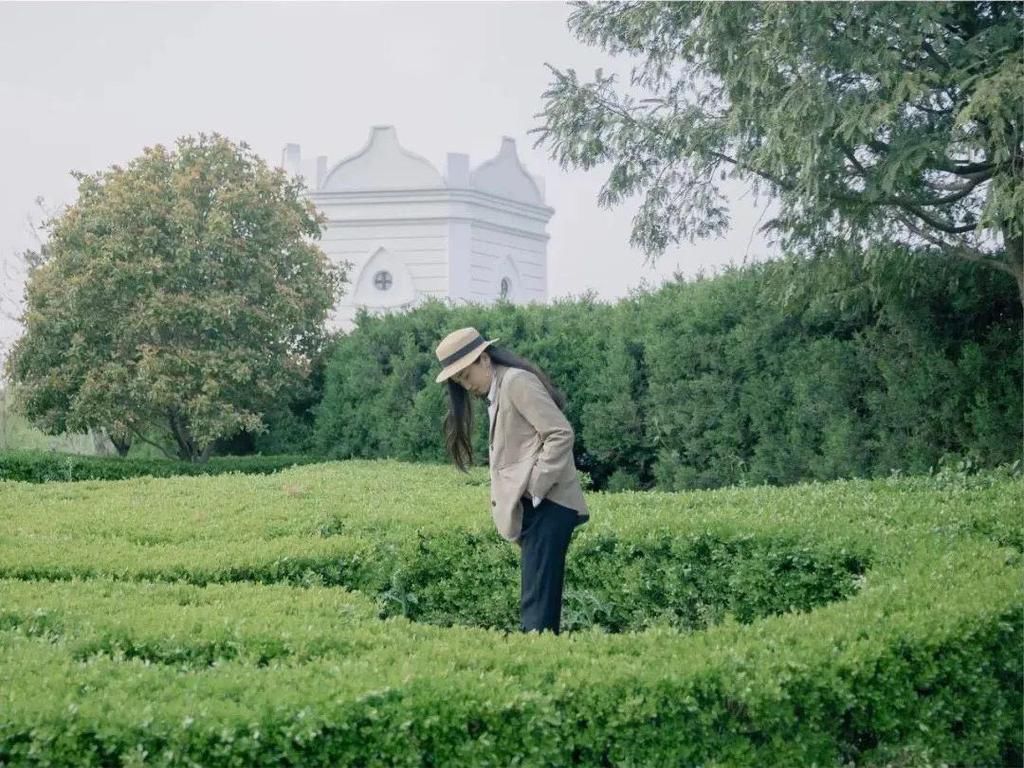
point(39, 467)
point(852, 623)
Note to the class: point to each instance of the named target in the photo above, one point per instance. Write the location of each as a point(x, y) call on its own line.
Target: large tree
point(868, 122)
point(181, 295)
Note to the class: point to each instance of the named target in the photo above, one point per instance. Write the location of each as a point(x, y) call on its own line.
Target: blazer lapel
point(499, 371)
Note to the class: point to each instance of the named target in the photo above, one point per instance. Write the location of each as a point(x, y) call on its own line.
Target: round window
point(382, 280)
point(506, 287)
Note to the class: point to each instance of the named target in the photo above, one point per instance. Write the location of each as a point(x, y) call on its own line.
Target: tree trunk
point(186, 448)
point(1017, 265)
point(1015, 260)
point(122, 444)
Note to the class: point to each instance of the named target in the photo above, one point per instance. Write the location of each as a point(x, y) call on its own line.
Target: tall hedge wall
point(731, 380)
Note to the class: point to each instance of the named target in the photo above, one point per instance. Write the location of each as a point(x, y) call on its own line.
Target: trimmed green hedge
point(257, 676)
point(865, 623)
point(264, 532)
point(721, 382)
point(38, 467)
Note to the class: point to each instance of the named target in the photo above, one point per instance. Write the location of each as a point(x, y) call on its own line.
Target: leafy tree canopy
point(183, 294)
point(868, 122)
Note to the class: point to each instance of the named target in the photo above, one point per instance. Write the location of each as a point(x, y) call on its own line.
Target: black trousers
point(547, 530)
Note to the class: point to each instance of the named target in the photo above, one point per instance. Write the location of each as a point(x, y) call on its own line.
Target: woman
point(536, 498)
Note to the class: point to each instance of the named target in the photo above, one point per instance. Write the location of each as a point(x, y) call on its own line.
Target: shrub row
point(40, 467)
point(921, 667)
point(310, 527)
point(724, 381)
point(896, 639)
point(424, 551)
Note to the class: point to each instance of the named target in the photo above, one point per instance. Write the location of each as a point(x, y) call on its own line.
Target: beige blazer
point(530, 451)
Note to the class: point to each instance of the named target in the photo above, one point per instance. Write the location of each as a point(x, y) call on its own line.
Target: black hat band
point(462, 352)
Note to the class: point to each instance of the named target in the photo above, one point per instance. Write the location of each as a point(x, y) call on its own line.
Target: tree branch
point(788, 186)
point(629, 118)
point(930, 220)
point(981, 171)
point(931, 111)
point(932, 53)
point(879, 146)
point(967, 169)
point(853, 159)
point(959, 249)
point(953, 186)
point(959, 193)
point(163, 450)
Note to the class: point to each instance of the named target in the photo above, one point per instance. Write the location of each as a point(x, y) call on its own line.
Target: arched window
point(382, 280)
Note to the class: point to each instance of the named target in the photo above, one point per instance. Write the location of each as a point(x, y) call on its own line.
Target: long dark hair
point(458, 424)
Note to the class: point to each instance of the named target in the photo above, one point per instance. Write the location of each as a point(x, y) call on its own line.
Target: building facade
point(408, 232)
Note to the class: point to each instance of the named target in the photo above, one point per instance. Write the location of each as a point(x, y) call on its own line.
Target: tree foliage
point(182, 294)
point(868, 122)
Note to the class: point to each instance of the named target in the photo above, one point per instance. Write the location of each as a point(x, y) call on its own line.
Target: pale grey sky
point(87, 85)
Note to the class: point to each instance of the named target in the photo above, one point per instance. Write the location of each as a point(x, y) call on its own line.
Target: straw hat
point(459, 349)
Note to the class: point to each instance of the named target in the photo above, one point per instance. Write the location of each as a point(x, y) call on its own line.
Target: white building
point(409, 232)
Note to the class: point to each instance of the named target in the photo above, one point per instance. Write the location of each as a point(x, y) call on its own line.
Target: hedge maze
point(364, 613)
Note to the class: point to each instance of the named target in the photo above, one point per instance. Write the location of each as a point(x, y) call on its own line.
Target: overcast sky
point(87, 85)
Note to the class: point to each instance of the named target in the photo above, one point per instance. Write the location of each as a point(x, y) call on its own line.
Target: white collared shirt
point(492, 398)
point(492, 404)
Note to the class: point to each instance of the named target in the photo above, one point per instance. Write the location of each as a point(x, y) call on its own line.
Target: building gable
point(382, 164)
